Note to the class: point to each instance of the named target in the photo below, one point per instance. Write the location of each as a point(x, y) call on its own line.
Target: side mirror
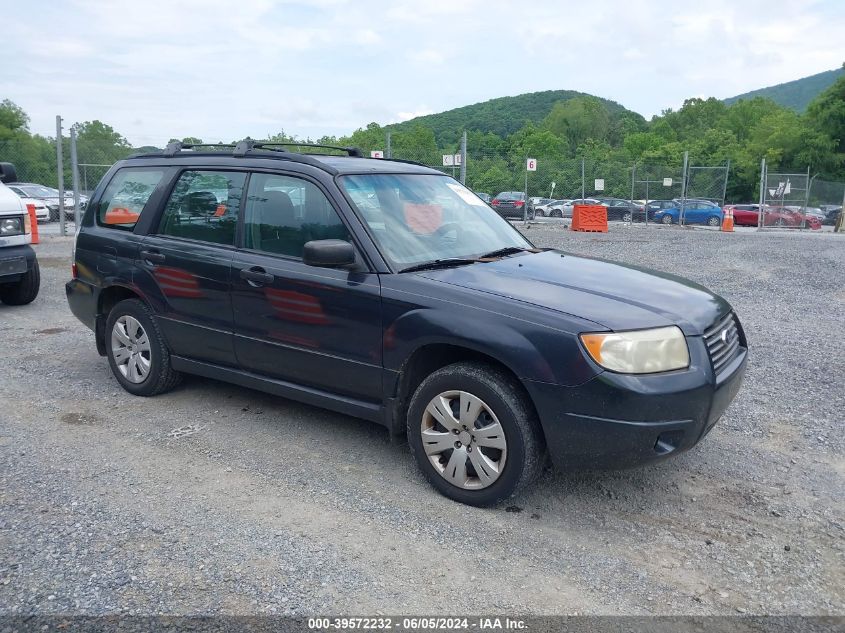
point(328, 253)
point(8, 173)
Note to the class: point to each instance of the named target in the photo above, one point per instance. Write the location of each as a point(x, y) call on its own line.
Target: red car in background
point(749, 215)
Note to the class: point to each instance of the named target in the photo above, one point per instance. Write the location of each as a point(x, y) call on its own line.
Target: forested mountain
point(502, 116)
point(795, 95)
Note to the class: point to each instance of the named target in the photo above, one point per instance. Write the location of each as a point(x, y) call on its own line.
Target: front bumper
point(15, 261)
point(618, 421)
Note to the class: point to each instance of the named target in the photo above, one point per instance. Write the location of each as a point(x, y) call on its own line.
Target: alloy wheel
point(667, 219)
point(130, 348)
point(463, 440)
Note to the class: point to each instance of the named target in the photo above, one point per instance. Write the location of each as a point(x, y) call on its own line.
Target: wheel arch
point(428, 358)
point(107, 298)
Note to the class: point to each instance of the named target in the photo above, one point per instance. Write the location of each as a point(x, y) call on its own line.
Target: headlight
point(11, 226)
point(639, 351)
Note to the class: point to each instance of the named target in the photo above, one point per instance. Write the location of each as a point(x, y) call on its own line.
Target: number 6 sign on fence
point(531, 164)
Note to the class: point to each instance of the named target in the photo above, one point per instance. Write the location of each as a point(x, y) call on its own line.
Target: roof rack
point(175, 147)
point(350, 151)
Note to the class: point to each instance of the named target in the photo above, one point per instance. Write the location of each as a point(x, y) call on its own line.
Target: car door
point(187, 259)
point(316, 327)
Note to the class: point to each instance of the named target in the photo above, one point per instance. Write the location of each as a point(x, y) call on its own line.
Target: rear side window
point(125, 197)
point(204, 206)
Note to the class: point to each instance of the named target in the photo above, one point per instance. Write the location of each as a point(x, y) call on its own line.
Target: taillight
point(73, 271)
point(495, 201)
point(518, 203)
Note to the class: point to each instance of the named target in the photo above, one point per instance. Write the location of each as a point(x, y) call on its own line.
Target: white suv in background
point(20, 277)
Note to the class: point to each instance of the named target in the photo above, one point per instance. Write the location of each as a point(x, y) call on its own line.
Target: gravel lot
point(218, 499)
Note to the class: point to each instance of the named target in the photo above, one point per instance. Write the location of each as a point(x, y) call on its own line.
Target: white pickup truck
point(20, 277)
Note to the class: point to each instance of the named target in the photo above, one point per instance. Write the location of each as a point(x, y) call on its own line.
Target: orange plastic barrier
point(33, 222)
point(728, 221)
point(589, 218)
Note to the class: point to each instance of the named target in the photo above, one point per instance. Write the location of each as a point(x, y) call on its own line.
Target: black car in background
point(625, 210)
point(512, 204)
point(484, 196)
point(389, 291)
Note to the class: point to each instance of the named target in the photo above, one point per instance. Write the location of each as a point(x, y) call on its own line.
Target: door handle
point(152, 257)
point(256, 276)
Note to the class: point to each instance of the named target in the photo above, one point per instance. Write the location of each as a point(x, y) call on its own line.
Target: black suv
point(389, 291)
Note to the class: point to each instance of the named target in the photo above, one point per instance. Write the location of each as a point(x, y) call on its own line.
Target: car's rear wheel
point(666, 219)
point(714, 221)
point(24, 290)
point(137, 353)
point(556, 213)
point(627, 216)
point(540, 213)
point(54, 215)
point(474, 434)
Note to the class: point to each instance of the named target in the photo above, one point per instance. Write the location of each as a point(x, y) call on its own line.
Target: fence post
point(684, 177)
point(60, 168)
point(582, 179)
point(725, 186)
point(389, 149)
point(464, 158)
point(762, 193)
point(525, 206)
point(806, 200)
point(645, 206)
point(74, 170)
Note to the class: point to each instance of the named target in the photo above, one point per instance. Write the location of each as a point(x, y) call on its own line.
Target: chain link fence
point(681, 193)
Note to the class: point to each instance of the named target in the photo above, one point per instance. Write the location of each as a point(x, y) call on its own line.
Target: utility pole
point(60, 167)
point(389, 149)
point(74, 170)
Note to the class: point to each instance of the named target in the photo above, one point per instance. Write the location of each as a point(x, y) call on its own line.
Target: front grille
point(722, 349)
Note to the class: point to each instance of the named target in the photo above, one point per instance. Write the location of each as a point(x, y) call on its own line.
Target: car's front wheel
point(666, 219)
point(627, 217)
point(138, 355)
point(556, 213)
point(474, 434)
point(714, 221)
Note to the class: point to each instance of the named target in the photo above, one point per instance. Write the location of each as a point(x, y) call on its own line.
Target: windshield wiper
point(507, 250)
point(439, 263)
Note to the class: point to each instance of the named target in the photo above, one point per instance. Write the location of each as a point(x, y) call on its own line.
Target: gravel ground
point(218, 499)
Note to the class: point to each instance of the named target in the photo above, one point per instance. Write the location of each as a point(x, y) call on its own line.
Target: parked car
point(565, 210)
point(695, 212)
point(512, 204)
point(546, 208)
point(42, 213)
point(373, 298)
point(47, 195)
point(625, 210)
point(832, 213)
point(485, 196)
point(788, 218)
point(20, 277)
point(745, 214)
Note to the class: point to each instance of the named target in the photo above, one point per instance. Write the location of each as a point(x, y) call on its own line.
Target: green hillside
point(795, 95)
point(502, 116)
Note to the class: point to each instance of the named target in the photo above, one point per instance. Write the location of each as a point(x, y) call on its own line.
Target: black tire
point(666, 219)
point(161, 377)
point(556, 213)
point(714, 221)
point(54, 215)
point(539, 213)
point(505, 397)
point(627, 217)
point(24, 290)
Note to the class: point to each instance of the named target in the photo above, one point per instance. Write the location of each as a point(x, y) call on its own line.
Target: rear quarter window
point(126, 195)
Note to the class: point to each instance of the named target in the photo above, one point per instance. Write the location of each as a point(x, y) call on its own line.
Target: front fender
point(530, 350)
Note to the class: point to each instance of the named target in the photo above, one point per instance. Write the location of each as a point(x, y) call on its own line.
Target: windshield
point(417, 218)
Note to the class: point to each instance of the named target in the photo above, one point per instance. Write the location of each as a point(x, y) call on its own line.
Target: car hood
point(617, 296)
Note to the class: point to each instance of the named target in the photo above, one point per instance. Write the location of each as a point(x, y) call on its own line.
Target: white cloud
point(406, 116)
point(161, 68)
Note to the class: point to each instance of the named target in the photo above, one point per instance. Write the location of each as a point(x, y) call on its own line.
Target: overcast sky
point(224, 69)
